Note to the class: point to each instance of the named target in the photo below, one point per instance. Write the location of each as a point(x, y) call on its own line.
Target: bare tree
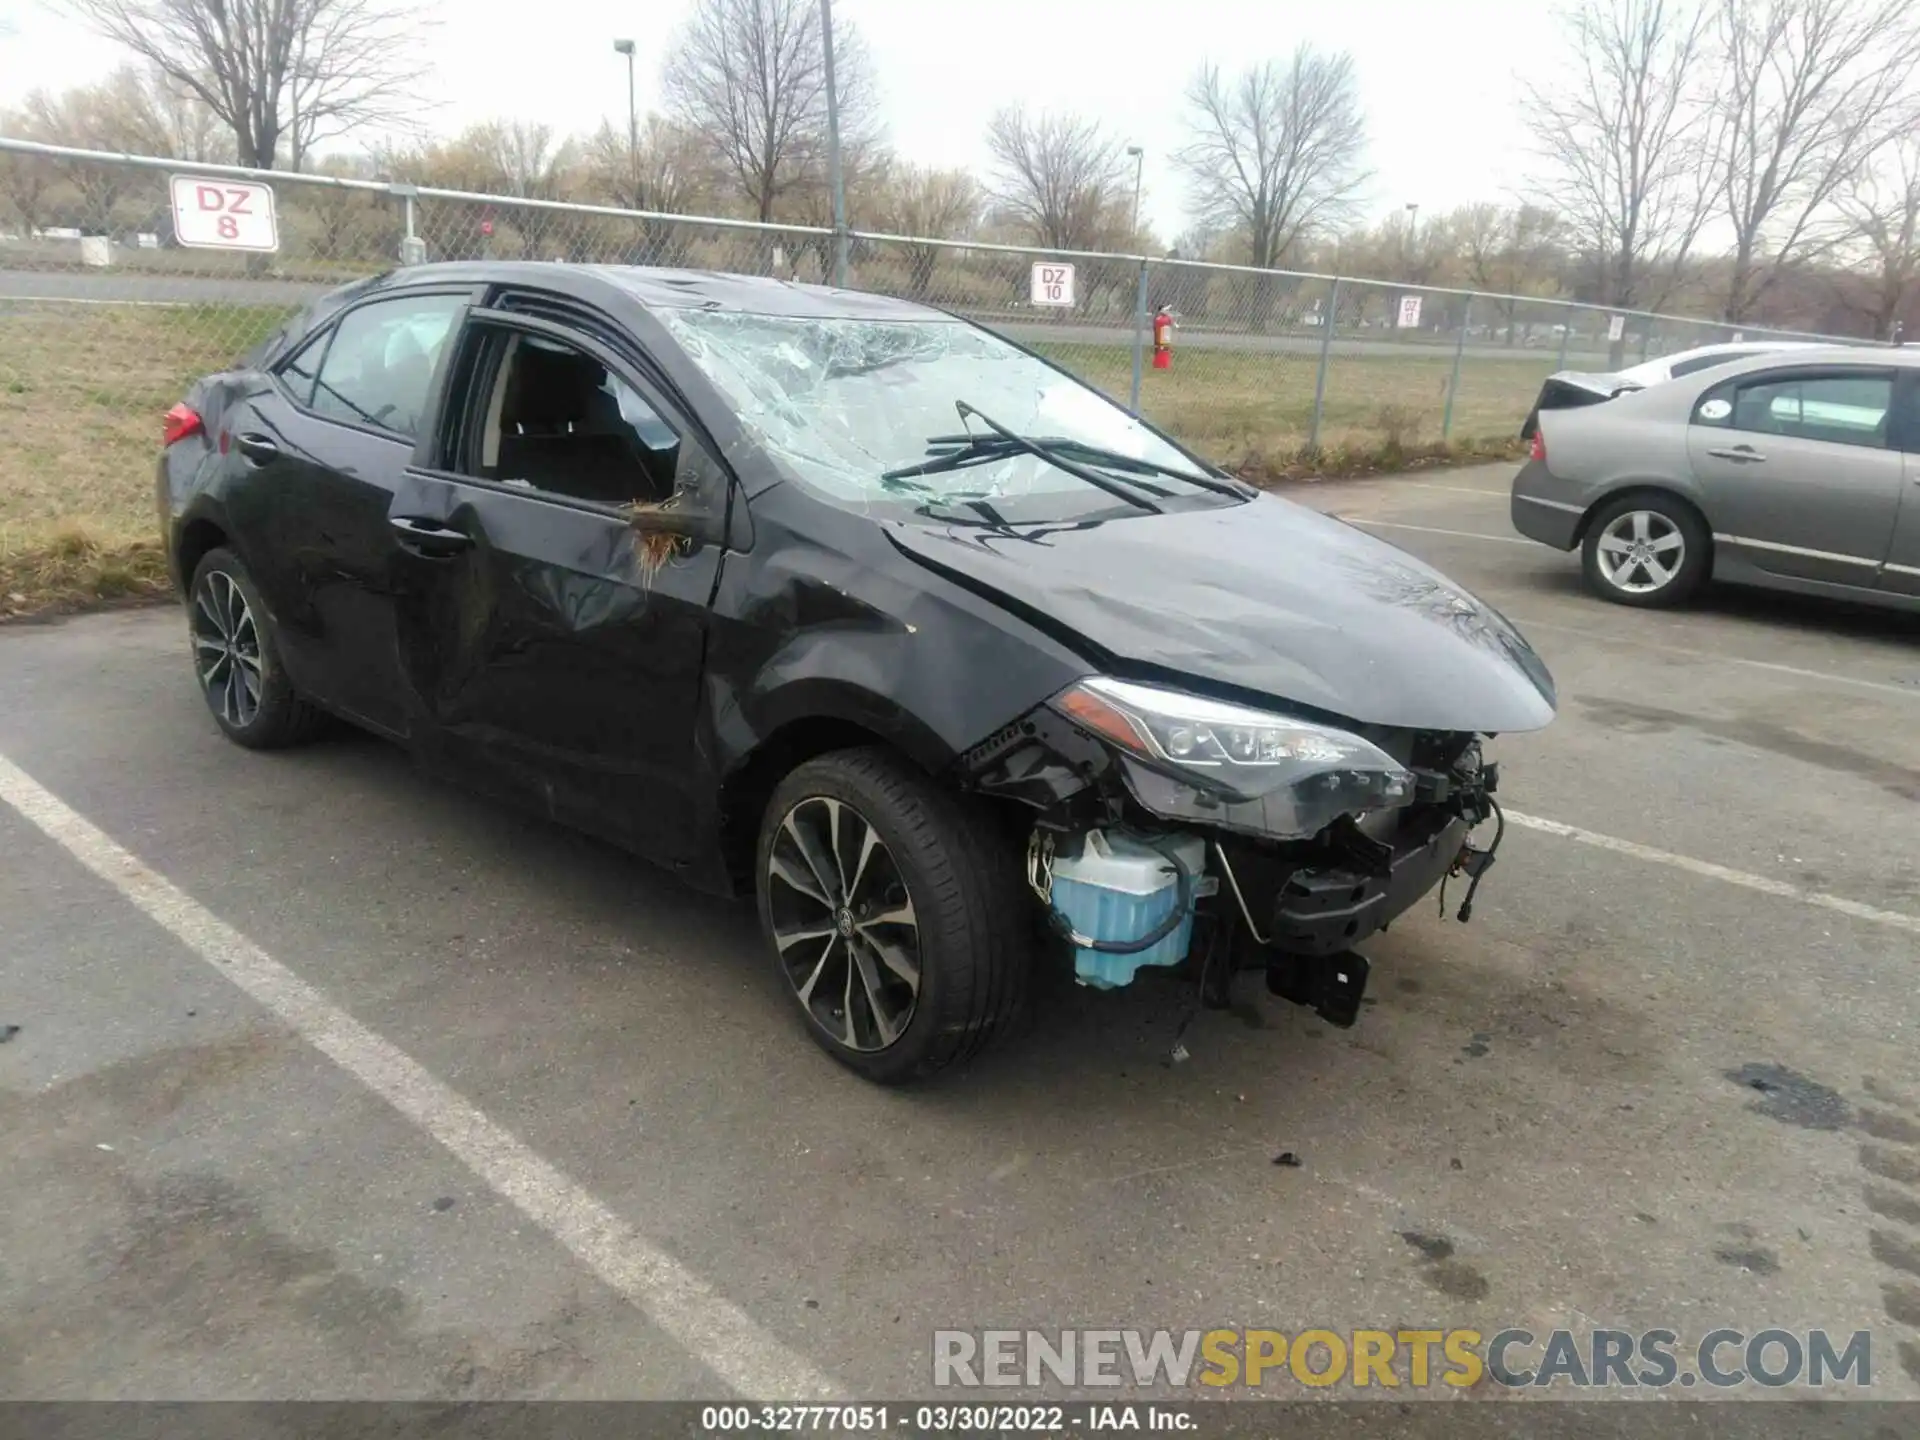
point(292, 72)
point(1624, 139)
point(189, 129)
point(1061, 178)
point(1514, 252)
point(25, 180)
point(750, 75)
point(119, 113)
point(1276, 152)
point(937, 204)
point(526, 157)
point(1810, 89)
point(669, 170)
point(1883, 208)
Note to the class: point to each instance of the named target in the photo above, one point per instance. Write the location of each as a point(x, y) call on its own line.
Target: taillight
point(1538, 449)
point(178, 423)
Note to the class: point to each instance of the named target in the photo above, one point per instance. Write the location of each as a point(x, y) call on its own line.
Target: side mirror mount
point(663, 530)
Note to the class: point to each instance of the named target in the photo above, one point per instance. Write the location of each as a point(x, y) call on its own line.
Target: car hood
point(1267, 597)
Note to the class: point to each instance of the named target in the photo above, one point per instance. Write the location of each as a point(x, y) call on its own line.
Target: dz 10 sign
point(223, 214)
point(1052, 284)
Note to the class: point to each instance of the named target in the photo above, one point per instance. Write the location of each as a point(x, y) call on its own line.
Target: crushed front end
point(1174, 830)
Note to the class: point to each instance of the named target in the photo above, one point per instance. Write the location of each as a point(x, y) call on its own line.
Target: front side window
point(1839, 409)
point(298, 373)
point(379, 368)
point(842, 402)
point(559, 421)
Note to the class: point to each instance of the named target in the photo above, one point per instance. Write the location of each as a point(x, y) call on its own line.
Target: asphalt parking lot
point(334, 1082)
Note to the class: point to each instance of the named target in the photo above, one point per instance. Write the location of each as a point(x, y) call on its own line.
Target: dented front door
point(544, 656)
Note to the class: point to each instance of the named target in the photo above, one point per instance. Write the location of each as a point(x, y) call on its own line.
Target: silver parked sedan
point(1794, 471)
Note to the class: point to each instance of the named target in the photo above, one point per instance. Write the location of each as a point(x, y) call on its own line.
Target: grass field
point(82, 389)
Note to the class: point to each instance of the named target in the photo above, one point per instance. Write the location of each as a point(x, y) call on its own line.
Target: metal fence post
point(1320, 380)
point(413, 250)
point(1453, 381)
point(1139, 335)
point(1566, 337)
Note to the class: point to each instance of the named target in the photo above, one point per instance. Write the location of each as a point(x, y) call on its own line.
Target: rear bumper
point(1323, 912)
point(1539, 513)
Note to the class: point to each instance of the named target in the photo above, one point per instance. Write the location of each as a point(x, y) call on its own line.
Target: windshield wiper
point(978, 450)
point(1095, 454)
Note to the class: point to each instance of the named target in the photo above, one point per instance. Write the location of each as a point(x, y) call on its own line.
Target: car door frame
point(295, 578)
point(436, 491)
point(1900, 567)
point(1774, 554)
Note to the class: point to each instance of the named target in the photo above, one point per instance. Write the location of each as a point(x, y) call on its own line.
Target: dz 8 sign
point(223, 214)
point(1052, 284)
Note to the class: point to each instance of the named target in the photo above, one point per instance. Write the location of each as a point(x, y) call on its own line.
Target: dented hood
point(1264, 596)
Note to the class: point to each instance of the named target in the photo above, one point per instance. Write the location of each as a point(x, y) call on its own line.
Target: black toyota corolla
point(851, 605)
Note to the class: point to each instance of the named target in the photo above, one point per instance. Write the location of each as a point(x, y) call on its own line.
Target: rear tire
point(1648, 549)
point(895, 912)
point(236, 659)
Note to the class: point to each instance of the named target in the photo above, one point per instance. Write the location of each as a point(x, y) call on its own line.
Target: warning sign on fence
point(1409, 312)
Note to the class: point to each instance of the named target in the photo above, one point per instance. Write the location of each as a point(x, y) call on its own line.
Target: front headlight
point(1215, 763)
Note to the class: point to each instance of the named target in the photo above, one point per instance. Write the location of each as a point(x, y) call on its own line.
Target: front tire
point(1647, 550)
point(895, 913)
point(236, 659)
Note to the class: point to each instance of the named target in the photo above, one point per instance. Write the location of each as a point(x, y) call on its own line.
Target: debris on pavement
point(1287, 1158)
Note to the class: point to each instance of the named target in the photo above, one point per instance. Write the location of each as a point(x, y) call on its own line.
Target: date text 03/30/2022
point(944, 1419)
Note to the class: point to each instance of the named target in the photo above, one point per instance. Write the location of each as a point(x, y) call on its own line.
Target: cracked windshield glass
point(845, 403)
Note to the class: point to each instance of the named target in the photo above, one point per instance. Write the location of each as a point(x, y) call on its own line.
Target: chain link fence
point(105, 318)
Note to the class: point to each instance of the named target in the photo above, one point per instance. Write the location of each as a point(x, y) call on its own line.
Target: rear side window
point(1839, 409)
point(380, 366)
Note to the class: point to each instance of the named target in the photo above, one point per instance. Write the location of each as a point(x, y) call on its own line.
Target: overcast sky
point(1438, 78)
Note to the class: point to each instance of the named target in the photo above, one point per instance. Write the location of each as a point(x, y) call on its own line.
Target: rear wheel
point(895, 913)
point(237, 661)
point(1648, 550)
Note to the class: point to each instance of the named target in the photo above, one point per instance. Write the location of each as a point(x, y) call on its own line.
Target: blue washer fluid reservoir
point(1119, 888)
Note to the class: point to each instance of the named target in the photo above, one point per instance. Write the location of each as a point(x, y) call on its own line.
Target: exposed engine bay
point(1208, 839)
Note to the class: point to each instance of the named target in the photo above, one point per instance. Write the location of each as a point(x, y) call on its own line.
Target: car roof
point(1661, 366)
point(1879, 355)
point(660, 288)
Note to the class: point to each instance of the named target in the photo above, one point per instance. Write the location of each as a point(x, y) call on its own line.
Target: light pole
point(833, 150)
point(1139, 163)
point(1413, 220)
point(625, 47)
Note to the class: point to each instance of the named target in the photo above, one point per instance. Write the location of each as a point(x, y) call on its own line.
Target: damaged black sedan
point(853, 606)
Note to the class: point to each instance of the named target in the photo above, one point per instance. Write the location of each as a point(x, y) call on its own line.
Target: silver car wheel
point(844, 924)
point(1641, 551)
point(226, 649)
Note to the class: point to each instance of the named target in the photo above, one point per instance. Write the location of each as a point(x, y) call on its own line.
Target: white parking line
point(716, 1333)
point(1432, 530)
point(1501, 494)
point(1708, 870)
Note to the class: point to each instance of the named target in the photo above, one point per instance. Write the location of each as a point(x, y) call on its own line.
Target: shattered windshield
point(845, 401)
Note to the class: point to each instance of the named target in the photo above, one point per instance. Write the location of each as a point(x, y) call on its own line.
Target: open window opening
point(559, 421)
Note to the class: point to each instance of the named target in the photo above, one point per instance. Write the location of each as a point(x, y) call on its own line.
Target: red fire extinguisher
point(1163, 340)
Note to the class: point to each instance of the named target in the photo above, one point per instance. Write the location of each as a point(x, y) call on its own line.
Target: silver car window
point(1837, 409)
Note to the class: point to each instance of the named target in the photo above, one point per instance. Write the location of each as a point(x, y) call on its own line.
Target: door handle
point(1741, 453)
point(429, 537)
point(258, 448)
